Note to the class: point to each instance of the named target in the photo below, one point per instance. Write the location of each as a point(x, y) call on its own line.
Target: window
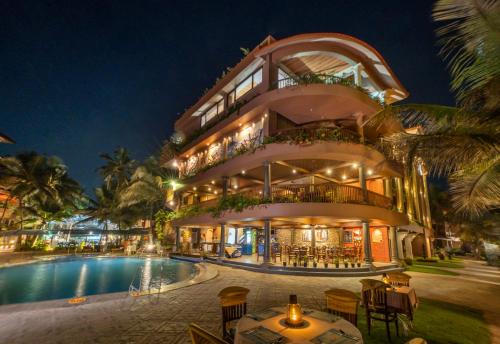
point(347, 236)
point(246, 85)
point(321, 235)
point(213, 111)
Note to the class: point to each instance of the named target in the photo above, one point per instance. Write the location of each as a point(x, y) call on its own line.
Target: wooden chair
point(374, 295)
point(399, 279)
point(201, 336)
point(343, 303)
point(277, 251)
point(233, 301)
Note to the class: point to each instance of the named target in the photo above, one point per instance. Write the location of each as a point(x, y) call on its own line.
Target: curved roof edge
point(372, 56)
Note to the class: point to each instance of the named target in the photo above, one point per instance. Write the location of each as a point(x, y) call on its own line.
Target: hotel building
point(281, 137)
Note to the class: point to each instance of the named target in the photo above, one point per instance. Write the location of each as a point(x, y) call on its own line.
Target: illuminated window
point(213, 111)
point(246, 85)
point(321, 235)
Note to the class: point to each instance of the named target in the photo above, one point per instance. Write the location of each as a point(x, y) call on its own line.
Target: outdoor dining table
point(403, 299)
point(319, 323)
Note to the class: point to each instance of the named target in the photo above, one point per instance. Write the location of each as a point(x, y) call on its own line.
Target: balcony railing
point(312, 78)
point(314, 193)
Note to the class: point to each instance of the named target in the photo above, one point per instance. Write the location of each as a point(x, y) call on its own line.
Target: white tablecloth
point(299, 335)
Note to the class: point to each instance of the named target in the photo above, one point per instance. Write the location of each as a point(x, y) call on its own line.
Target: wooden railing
point(315, 193)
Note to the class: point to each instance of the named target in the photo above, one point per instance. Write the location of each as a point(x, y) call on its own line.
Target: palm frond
point(470, 40)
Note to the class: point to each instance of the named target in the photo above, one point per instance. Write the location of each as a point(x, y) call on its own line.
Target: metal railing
point(312, 78)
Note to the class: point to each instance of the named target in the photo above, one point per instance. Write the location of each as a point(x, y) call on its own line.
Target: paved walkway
point(165, 319)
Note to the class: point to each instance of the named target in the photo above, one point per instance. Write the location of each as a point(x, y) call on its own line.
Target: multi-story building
point(276, 154)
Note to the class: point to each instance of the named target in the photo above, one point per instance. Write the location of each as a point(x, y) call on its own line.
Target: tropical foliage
point(461, 143)
point(42, 187)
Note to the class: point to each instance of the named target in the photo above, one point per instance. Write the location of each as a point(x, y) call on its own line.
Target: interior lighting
point(329, 171)
point(175, 163)
point(369, 172)
point(294, 171)
point(243, 172)
point(344, 177)
point(209, 189)
point(215, 192)
point(294, 313)
point(194, 188)
point(213, 182)
point(355, 165)
point(171, 203)
point(235, 186)
point(265, 115)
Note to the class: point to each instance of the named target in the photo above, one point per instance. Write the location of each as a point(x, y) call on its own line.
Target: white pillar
point(399, 243)
point(409, 249)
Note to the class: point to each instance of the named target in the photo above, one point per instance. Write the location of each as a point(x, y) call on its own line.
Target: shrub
point(408, 261)
point(427, 260)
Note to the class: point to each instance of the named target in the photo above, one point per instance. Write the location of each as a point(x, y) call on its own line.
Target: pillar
point(409, 249)
point(399, 194)
point(267, 241)
point(225, 186)
point(393, 240)
point(267, 179)
point(177, 239)
point(313, 236)
point(367, 248)
point(362, 181)
point(222, 245)
point(388, 188)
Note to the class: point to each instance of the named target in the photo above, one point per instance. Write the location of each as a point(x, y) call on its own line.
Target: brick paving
point(164, 319)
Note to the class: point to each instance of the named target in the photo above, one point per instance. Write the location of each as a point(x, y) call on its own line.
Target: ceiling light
point(213, 182)
point(329, 171)
point(209, 189)
point(243, 172)
point(235, 186)
point(294, 171)
point(344, 177)
point(369, 171)
point(194, 188)
point(175, 163)
point(355, 165)
point(215, 192)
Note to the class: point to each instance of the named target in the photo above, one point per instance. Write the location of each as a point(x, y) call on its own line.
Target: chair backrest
point(233, 301)
point(399, 279)
point(374, 293)
point(201, 336)
point(343, 303)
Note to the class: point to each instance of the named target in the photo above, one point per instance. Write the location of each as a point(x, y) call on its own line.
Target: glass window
point(212, 112)
point(257, 77)
point(244, 87)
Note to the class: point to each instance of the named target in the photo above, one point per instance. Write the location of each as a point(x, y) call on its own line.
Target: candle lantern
point(385, 279)
point(294, 313)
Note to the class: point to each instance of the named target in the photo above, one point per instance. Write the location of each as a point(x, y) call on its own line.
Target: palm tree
point(148, 190)
point(462, 143)
point(118, 168)
point(41, 185)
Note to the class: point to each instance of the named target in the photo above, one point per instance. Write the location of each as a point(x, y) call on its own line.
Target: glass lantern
point(294, 312)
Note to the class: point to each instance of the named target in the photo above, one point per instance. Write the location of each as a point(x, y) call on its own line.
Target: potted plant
point(337, 263)
point(353, 264)
point(346, 263)
point(358, 262)
point(315, 263)
point(305, 262)
point(295, 262)
point(326, 264)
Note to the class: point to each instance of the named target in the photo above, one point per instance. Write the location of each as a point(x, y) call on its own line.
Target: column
point(267, 241)
point(222, 246)
point(362, 181)
point(399, 194)
point(409, 249)
point(388, 187)
point(367, 248)
point(225, 186)
point(313, 236)
point(177, 239)
point(393, 240)
point(267, 179)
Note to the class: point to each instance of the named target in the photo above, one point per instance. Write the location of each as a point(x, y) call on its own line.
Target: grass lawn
point(435, 321)
point(454, 263)
point(430, 270)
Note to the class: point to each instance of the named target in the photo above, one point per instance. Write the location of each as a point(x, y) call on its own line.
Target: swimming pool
point(71, 277)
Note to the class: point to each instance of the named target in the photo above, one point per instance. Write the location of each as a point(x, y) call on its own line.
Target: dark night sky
point(78, 78)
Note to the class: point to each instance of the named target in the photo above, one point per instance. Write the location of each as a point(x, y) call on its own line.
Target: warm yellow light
point(344, 177)
point(243, 172)
point(209, 189)
point(175, 163)
point(329, 171)
point(294, 171)
point(171, 203)
point(369, 172)
point(265, 115)
point(215, 192)
point(355, 165)
point(194, 188)
point(235, 186)
point(213, 182)
point(294, 312)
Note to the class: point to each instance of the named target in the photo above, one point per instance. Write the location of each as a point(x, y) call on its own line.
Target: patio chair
point(200, 336)
point(233, 301)
point(374, 295)
point(399, 279)
point(343, 303)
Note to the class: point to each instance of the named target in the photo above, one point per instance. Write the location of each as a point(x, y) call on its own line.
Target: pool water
point(72, 277)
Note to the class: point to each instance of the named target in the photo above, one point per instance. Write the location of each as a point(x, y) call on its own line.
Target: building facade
point(276, 154)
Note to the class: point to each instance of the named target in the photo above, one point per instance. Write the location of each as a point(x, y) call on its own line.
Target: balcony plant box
point(346, 264)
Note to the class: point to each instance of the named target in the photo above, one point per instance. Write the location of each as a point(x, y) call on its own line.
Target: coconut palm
point(462, 143)
point(40, 184)
point(148, 190)
point(117, 169)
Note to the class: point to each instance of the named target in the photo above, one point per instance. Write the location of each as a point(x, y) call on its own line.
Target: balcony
point(303, 193)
